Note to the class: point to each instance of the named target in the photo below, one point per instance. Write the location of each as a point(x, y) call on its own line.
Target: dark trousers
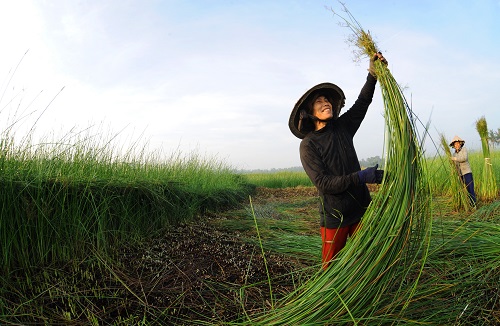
point(469, 184)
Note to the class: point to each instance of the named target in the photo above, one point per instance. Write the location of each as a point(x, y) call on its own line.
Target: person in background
point(461, 160)
point(329, 158)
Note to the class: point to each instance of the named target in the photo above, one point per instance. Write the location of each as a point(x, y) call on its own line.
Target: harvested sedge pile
point(393, 239)
point(458, 195)
point(488, 189)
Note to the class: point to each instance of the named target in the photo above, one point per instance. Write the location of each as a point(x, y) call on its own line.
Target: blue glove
point(368, 175)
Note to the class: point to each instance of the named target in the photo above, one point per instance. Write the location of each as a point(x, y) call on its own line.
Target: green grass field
point(68, 212)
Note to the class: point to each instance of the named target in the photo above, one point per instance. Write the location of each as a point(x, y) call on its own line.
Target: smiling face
point(457, 145)
point(322, 108)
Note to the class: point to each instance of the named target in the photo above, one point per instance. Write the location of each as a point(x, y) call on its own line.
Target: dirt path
point(200, 271)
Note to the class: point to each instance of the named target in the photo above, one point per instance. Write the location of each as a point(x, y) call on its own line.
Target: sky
point(219, 79)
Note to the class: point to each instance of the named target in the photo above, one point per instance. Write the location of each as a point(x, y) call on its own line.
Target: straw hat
point(457, 139)
point(300, 110)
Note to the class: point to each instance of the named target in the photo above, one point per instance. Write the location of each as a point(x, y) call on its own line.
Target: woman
point(461, 160)
point(328, 157)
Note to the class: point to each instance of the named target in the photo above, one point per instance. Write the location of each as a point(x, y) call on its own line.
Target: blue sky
point(220, 78)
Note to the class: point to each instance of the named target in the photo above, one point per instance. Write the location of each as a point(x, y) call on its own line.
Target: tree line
point(494, 137)
point(367, 162)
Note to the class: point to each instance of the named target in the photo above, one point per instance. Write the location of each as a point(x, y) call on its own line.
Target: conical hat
point(457, 139)
point(332, 91)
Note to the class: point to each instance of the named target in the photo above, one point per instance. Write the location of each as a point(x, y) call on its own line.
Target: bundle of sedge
point(457, 192)
point(487, 189)
point(380, 261)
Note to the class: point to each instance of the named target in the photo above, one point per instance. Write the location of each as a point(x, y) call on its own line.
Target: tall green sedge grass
point(393, 238)
point(438, 167)
point(61, 197)
point(488, 189)
point(457, 192)
point(282, 179)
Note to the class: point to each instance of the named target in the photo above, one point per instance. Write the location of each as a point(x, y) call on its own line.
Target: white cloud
point(224, 78)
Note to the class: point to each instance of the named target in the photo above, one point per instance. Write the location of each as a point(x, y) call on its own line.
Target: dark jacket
point(329, 159)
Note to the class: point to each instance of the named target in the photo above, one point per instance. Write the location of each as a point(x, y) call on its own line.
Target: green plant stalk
point(482, 129)
point(488, 189)
point(263, 255)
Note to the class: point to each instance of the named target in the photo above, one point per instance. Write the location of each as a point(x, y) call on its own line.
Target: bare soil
point(198, 271)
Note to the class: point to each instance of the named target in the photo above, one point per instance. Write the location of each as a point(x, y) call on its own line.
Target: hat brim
point(457, 139)
point(331, 90)
point(462, 142)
